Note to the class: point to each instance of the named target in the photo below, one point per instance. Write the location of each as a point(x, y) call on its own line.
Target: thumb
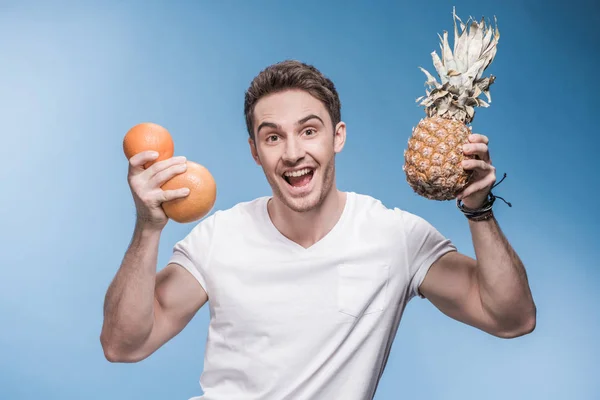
point(174, 194)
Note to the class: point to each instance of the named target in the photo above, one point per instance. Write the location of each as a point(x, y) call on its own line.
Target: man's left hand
point(484, 173)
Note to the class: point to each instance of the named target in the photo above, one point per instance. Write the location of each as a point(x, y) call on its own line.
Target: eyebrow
point(308, 118)
point(301, 121)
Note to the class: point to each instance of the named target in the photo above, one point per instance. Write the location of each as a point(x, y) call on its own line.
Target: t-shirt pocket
point(362, 289)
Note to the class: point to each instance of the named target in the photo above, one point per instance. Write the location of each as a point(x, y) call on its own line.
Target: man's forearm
point(503, 284)
point(129, 303)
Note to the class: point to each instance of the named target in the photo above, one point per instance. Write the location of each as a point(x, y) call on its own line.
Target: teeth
point(298, 173)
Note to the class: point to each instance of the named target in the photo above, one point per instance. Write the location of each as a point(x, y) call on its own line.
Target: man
point(306, 287)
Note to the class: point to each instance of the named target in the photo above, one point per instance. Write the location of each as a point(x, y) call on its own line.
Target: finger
point(137, 161)
point(483, 184)
point(478, 138)
point(175, 194)
point(163, 165)
point(163, 176)
point(476, 164)
point(477, 149)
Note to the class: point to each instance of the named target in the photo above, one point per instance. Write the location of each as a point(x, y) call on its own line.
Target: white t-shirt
point(305, 324)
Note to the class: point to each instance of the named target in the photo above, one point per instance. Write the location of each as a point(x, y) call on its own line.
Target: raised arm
point(131, 334)
point(492, 291)
point(143, 309)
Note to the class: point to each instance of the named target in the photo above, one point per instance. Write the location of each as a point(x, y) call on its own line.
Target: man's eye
point(309, 132)
point(271, 138)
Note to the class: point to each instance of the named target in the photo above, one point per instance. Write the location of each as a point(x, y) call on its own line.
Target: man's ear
point(253, 151)
point(339, 137)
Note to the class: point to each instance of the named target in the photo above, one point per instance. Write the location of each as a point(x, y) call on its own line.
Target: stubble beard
point(314, 199)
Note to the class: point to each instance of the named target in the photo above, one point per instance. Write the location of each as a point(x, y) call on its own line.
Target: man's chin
point(302, 205)
point(299, 203)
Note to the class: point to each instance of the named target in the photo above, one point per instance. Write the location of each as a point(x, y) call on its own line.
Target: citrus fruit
point(148, 136)
point(199, 201)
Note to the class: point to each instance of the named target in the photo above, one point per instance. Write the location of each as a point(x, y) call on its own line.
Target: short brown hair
point(291, 74)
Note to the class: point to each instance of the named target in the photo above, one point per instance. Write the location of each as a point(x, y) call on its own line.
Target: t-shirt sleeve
point(193, 251)
point(424, 245)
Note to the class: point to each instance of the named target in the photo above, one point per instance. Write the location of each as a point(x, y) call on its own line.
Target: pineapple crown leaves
point(460, 70)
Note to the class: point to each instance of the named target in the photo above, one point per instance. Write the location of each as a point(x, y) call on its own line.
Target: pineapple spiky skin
point(432, 162)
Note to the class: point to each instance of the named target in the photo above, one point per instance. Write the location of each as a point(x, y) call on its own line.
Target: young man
point(307, 286)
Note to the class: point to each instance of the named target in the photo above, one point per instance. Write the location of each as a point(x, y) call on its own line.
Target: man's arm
point(143, 309)
point(490, 293)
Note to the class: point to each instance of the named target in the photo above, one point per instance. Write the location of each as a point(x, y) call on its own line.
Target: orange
point(148, 136)
point(200, 199)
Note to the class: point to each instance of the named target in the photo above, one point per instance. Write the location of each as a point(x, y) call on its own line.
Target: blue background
point(75, 76)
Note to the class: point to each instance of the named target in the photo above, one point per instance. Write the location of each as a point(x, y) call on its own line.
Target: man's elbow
point(114, 354)
point(525, 327)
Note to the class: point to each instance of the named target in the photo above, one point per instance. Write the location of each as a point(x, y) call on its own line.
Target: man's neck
point(307, 228)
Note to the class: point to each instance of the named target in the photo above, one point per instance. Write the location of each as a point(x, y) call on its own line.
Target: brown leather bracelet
point(481, 217)
point(484, 209)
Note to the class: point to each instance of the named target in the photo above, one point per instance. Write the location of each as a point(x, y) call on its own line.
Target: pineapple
point(432, 161)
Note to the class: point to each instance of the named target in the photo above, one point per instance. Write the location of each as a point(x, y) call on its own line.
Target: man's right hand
point(145, 185)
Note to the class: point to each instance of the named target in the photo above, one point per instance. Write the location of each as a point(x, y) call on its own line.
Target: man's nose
point(294, 150)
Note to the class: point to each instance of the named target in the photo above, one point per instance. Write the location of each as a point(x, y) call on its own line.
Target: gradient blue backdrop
point(75, 76)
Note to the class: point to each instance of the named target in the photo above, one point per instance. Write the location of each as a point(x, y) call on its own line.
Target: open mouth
point(299, 178)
